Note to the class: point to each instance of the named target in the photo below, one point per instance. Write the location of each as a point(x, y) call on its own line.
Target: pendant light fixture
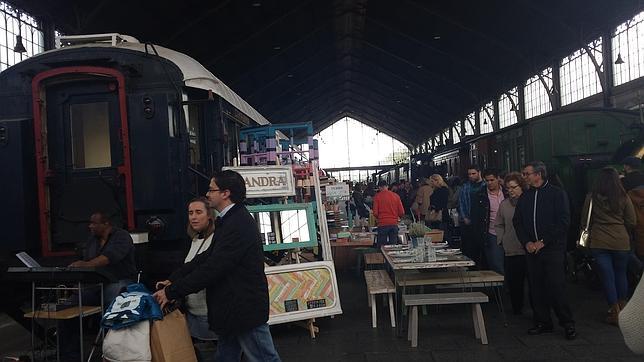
point(19, 47)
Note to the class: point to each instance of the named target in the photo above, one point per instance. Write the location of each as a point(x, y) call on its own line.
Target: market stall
point(282, 179)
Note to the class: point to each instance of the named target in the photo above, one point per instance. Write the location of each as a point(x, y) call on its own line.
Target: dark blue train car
point(105, 122)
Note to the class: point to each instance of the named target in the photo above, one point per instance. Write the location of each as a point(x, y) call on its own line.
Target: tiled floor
point(444, 335)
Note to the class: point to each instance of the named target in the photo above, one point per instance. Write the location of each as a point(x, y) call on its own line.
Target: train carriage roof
point(195, 75)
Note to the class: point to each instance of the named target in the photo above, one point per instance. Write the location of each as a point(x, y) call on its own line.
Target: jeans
point(494, 254)
point(612, 269)
point(256, 344)
point(199, 327)
point(387, 232)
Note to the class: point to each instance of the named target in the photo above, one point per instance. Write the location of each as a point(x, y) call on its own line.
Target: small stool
point(378, 282)
point(360, 253)
point(374, 261)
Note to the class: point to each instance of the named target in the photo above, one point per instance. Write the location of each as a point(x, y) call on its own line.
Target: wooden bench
point(372, 260)
point(412, 301)
point(460, 280)
point(378, 282)
point(468, 278)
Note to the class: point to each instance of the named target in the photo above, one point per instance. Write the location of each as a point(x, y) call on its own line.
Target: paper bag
point(170, 339)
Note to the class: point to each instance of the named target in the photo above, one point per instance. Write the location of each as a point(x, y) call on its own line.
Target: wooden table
point(343, 251)
point(67, 313)
point(402, 268)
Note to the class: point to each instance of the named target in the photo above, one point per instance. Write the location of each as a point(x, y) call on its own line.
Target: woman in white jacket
point(201, 226)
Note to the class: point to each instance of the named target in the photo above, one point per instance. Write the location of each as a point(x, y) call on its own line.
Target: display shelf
point(310, 224)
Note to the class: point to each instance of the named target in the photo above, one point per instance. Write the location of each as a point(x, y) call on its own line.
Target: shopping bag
point(128, 344)
point(582, 242)
point(435, 216)
point(170, 339)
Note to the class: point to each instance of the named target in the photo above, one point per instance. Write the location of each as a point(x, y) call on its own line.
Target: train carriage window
point(194, 134)
point(90, 130)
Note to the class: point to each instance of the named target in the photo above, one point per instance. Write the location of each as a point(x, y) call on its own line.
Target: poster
point(302, 291)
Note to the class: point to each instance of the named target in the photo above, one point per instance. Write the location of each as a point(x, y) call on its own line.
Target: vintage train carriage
point(107, 123)
point(454, 161)
point(574, 145)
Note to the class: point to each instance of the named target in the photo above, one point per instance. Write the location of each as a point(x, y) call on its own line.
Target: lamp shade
point(19, 47)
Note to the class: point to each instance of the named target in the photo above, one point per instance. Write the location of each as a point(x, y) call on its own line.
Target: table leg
point(33, 310)
point(401, 275)
point(57, 341)
point(80, 318)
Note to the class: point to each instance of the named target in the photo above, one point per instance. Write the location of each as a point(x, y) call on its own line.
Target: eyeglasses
point(528, 173)
point(212, 190)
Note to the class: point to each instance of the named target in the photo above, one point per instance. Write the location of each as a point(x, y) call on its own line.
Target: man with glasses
point(232, 272)
point(541, 222)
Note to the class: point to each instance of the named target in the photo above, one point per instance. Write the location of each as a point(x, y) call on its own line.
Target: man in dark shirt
point(633, 177)
point(111, 248)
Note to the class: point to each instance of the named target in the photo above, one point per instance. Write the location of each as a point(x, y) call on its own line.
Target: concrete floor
point(444, 335)
point(447, 334)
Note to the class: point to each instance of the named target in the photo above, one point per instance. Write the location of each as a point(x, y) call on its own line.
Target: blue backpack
point(130, 307)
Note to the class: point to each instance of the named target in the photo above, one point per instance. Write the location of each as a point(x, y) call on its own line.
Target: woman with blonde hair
point(422, 199)
point(438, 203)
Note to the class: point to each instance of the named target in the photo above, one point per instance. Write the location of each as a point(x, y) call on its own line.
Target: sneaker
point(571, 333)
point(539, 329)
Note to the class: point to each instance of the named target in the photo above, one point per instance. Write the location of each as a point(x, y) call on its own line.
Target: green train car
point(574, 144)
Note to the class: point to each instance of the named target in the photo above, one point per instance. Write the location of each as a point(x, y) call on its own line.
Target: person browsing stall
point(541, 221)
point(492, 250)
point(611, 221)
point(232, 273)
point(506, 237)
point(472, 212)
point(387, 208)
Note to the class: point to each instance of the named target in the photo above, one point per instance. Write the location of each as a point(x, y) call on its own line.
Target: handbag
point(582, 242)
point(435, 215)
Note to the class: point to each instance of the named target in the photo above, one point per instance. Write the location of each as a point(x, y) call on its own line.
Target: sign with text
point(339, 191)
point(267, 181)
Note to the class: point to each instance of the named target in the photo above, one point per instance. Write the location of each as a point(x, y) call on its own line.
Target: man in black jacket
point(632, 176)
point(541, 222)
point(232, 272)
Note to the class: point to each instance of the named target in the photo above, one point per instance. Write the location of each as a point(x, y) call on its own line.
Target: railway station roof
point(406, 67)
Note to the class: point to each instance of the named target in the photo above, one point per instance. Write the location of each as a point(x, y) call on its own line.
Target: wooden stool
point(373, 260)
point(378, 282)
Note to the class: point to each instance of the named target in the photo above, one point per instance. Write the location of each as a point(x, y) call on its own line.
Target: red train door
point(82, 148)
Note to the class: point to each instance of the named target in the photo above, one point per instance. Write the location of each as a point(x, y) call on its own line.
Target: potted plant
point(417, 231)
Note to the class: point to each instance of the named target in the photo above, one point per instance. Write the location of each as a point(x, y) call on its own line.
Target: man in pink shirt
point(387, 208)
point(494, 254)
